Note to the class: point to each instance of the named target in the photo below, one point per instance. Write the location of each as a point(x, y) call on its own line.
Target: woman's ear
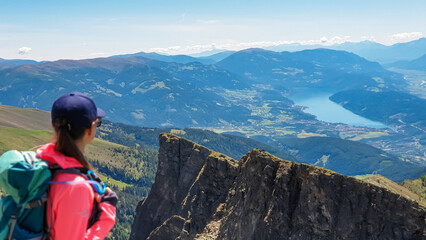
point(91, 131)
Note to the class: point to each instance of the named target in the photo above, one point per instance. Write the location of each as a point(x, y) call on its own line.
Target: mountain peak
point(252, 50)
point(202, 194)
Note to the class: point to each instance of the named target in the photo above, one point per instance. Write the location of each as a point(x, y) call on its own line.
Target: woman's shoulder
point(69, 184)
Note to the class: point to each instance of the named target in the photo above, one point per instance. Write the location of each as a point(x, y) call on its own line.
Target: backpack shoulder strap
point(95, 181)
point(55, 169)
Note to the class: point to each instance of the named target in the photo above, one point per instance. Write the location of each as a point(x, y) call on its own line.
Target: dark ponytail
point(65, 140)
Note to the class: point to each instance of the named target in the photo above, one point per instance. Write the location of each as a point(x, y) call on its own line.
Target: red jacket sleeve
point(106, 221)
point(71, 209)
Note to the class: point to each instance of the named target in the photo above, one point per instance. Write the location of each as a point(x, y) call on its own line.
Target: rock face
point(200, 194)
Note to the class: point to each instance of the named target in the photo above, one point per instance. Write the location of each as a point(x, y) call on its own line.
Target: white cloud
point(339, 40)
point(24, 50)
point(406, 36)
point(331, 41)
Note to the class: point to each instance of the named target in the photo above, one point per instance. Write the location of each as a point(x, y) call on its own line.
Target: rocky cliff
point(201, 194)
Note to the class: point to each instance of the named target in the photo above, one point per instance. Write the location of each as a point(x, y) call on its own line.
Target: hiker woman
point(75, 208)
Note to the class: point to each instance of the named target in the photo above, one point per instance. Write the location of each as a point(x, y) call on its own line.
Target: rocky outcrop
point(191, 182)
point(200, 194)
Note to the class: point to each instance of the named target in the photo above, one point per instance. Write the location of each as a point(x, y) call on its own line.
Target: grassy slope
point(25, 140)
point(394, 187)
point(417, 186)
point(24, 118)
point(21, 139)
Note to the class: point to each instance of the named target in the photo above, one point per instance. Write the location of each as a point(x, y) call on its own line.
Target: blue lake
point(319, 104)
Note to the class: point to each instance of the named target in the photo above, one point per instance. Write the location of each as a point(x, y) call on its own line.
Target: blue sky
point(49, 30)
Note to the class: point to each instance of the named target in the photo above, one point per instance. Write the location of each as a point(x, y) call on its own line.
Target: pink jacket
point(72, 204)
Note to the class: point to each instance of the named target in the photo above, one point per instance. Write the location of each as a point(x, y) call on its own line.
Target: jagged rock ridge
point(200, 194)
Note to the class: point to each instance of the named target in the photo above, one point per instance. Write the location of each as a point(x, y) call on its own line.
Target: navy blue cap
point(77, 108)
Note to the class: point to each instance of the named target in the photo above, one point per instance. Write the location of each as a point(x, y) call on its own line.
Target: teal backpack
point(25, 179)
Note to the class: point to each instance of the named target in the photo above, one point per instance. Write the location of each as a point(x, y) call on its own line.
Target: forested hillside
point(233, 146)
point(343, 156)
point(351, 158)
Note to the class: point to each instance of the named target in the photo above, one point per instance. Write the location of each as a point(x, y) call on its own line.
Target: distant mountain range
point(372, 51)
point(131, 89)
point(141, 91)
point(9, 63)
point(386, 54)
point(217, 57)
point(416, 64)
point(320, 68)
point(211, 57)
point(168, 58)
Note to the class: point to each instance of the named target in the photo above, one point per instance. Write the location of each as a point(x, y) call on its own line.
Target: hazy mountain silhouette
point(9, 63)
point(370, 50)
point(416, 64)
point(168, 58)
